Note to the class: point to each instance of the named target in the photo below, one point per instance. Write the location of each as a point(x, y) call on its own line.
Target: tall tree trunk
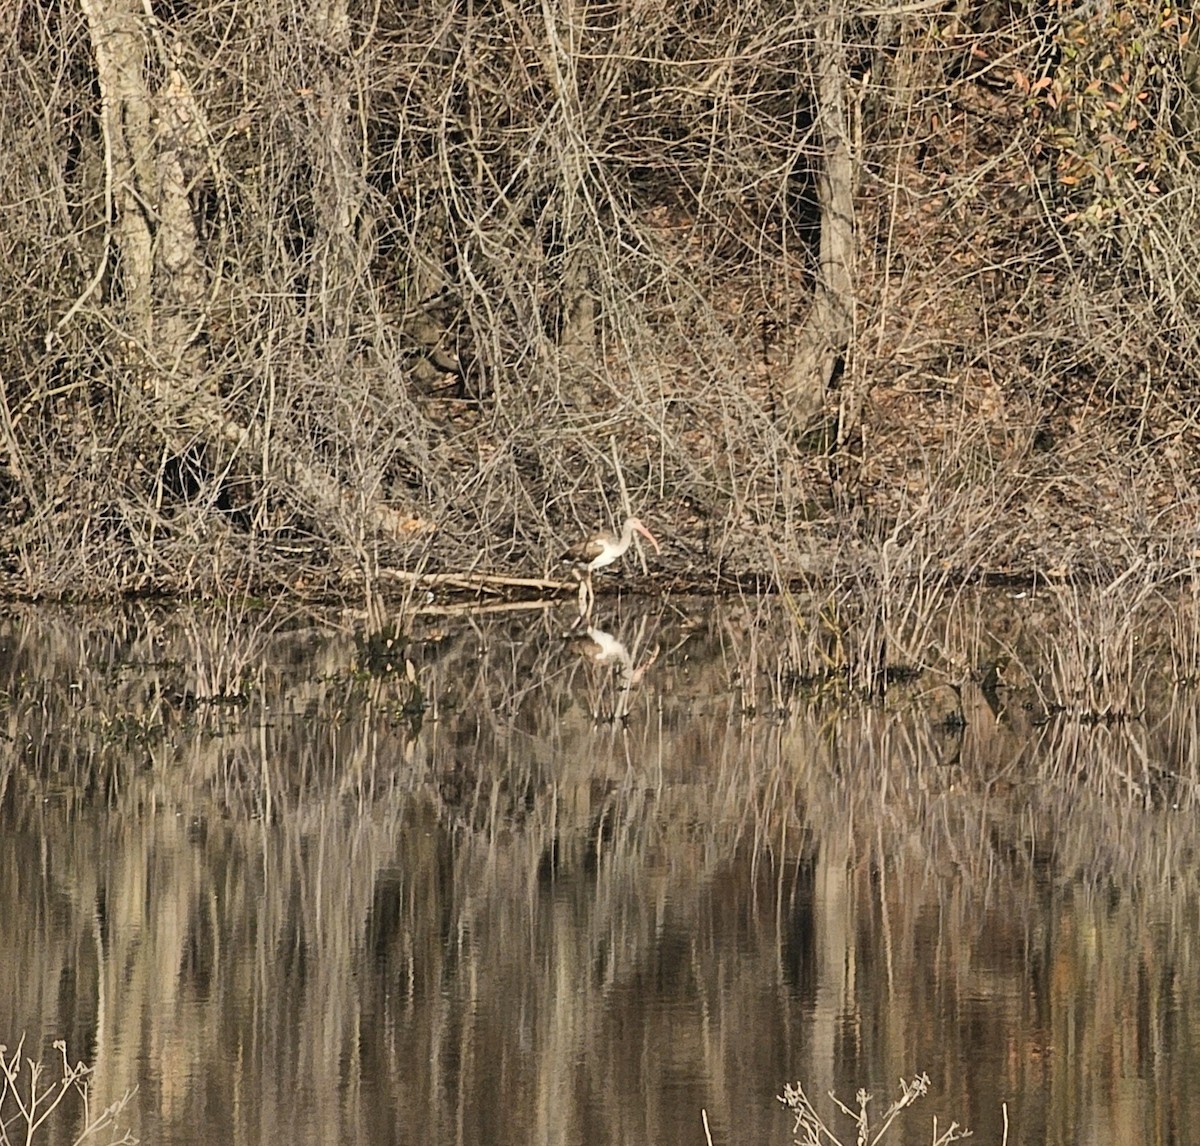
point(155, 148)
point(154, 143)
point(825, 334)
point(119, 43)
point(338, 182)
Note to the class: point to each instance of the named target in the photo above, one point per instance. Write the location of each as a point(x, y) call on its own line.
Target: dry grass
point(32, 1105)
point(813, 1130)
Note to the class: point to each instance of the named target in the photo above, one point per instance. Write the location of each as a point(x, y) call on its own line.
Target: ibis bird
point(601, 549)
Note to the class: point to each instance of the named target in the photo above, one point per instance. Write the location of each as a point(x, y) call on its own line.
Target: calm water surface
point(296, 887)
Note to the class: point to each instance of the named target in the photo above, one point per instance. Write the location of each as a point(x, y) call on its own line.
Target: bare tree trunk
point(576, 306)
point(119, 43)
point(181, 278)
point(578, 335)
point(825, 334)
point(337, 182)
point(154, 147)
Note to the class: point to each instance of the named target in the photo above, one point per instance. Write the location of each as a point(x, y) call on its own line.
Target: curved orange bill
point(648, 535)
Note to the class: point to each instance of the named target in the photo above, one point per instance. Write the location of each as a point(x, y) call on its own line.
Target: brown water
point(329, 913)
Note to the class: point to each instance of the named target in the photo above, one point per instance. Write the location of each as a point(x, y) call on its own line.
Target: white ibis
point(603, 549)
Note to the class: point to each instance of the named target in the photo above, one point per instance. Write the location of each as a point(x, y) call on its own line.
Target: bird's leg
point(584, 586)
point(575, 624)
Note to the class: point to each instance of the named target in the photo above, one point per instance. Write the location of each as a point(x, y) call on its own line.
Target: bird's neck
point(626, 538)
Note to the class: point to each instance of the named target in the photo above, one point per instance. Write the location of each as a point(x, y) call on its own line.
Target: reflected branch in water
point(505, 925)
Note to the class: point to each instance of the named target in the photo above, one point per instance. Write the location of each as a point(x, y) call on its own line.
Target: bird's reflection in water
point(601, 648)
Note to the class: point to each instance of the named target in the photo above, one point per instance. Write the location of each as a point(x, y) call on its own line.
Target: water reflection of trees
point(309, 914)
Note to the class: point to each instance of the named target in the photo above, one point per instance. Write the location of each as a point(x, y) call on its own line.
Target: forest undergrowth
point(289, 306)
